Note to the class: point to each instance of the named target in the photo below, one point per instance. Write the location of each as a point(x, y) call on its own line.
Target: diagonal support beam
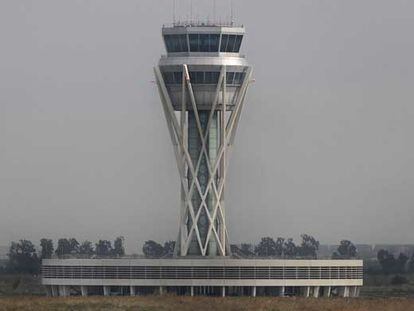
point(211, 198)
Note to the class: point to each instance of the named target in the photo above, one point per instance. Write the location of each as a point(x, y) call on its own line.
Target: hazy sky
point(325, 145)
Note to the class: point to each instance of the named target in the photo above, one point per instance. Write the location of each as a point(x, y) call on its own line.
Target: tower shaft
point(202, 96)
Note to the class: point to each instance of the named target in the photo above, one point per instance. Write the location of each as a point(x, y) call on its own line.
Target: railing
point(202, 273)
point(202, 24)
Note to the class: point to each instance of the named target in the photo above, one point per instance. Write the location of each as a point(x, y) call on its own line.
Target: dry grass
point(167, 303)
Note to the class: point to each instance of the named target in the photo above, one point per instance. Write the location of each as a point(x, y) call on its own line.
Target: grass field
point(167, 303)
point(24, 292)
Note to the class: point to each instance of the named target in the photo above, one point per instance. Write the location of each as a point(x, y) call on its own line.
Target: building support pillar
point(223, 291)
point(84, 290)
point(192, 291)
point(107, 290)
point(63, 291)
point(132, 291)
point(282, 291)
point(353, 291)
point(49, 291)
point(161, 290)
point(316, 291)
point(327, 291)
point(254, 291)
point(346, 291)
point(55, 290)
point(306, 291)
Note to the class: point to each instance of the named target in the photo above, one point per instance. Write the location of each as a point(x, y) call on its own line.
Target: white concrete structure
point(202, 83)
point(215, 276)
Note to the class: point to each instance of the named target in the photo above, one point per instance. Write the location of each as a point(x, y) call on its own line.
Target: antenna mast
point(191, 11)
point(174, 12)
point(231, 12)
point(214, 11)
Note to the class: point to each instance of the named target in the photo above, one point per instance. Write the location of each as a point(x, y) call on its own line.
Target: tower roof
point(200, 27)
point(202, 24)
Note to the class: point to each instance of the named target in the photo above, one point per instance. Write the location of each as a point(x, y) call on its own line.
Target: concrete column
point(49, 291)
point(346, 291)
point(223, 291)
point(358, 290)
point(84, 291)
point(132, 291)
point(316, 291)
point(282, 291)
point(327, 291)
point(351, 291)
point(107, 290)
point(254, 291)
point(55, 291)
point(307, 291)
point(161, 290)
point(355, 291)
point(63, 291)
point(192, 291)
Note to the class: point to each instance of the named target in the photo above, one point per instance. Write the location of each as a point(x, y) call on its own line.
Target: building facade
point(207, 276)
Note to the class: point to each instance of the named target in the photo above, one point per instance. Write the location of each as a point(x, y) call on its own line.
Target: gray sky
point(325, 144)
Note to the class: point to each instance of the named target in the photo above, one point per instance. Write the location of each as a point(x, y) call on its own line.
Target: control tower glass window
point(176, 43)
point(203, 77)
point(204, 42)
point(231, 43)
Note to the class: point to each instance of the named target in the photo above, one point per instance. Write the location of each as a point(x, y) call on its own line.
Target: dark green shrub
point(399, 280)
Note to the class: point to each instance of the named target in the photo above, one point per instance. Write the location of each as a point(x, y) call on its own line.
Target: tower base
point(201, 276)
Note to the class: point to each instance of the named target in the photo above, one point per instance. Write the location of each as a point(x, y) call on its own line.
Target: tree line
point(23, 256)
point(267, 247)
point(286, 248)
point(395, 265)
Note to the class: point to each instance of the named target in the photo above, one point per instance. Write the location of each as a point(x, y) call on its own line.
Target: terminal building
point(202, 82)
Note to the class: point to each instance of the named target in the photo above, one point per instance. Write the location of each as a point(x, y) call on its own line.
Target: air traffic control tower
point(202, 82)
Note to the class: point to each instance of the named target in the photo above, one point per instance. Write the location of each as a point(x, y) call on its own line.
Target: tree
point(391, 265)
point(74, 246)
point(401, 263)
point(411, 264)
point(119, 249)
point(86, 248)
point(290, 249)
point(346, 250)
point(399, 280)
point(386, 260)
point(152, 249)
point(63, 247)
point(104, 248)
point(266, 247)
point(169, 248)
point(309, 246)
point(279, 247)
point(247, 249)
point(47, 248)
point(23, 258)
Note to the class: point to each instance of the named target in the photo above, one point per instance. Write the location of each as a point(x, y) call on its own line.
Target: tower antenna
point(191, 11)
point(231, 12)
point(214, 11)
point(174, 12)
